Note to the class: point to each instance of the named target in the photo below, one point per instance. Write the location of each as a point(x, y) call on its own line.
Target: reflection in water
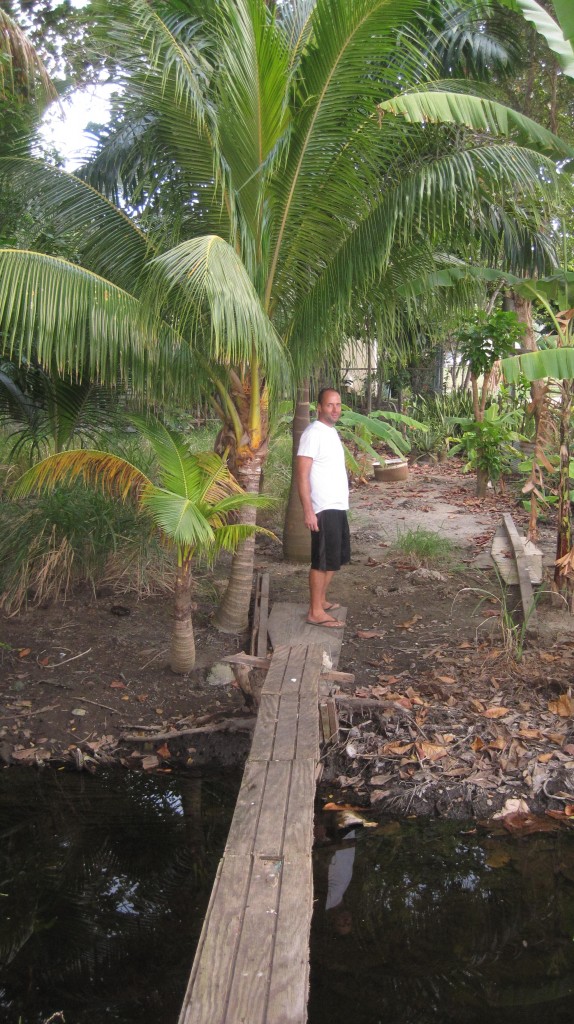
point(104, 883)
point(445, 927)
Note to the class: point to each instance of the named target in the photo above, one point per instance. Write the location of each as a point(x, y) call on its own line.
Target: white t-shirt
point(329, 483)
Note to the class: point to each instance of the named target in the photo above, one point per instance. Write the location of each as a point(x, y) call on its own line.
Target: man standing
point(324, 492)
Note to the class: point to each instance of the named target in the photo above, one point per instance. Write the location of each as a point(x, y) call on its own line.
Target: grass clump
point(426, 546)
point(51, 544)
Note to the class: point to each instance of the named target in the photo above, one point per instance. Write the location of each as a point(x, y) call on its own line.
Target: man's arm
point(303, 475)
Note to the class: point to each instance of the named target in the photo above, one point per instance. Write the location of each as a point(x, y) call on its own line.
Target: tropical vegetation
point(269, 168)
point(190, 505)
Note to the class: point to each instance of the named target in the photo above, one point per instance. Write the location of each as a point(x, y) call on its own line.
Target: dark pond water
point(420, 923)
point(104, 883)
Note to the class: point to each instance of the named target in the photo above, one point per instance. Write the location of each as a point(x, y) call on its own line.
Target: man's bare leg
point(318, 585)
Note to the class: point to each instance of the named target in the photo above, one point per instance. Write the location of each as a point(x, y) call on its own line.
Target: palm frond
point(114, 475)
point(253, 113)
point(229, 537)
point(207, 272)
point(174, 50)
point(337, 86)
point(106, 240)
point(477, 114)
point(20, 64)
point(56, 311)
point(179, 518)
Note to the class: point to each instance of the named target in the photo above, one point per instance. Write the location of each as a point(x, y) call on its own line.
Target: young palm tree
point(190, 507)
point(273, 162)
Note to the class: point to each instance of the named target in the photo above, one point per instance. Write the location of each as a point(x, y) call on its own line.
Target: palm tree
point(273, 162)
point(190, 507)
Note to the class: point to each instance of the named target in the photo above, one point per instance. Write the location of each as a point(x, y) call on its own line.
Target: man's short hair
point(323, 392)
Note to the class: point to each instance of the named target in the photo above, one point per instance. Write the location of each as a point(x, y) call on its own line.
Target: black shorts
point(331, 544)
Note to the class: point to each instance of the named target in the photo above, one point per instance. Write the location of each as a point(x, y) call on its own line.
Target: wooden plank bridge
point(252, 961)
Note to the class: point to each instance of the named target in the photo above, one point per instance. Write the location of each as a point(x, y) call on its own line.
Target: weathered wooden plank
point(299, 815)
point(268, 841)
point(247, 811)
point(295, 670)
point(312, 671)
point(308, 730)
point(264, 735)
point(333, 719)
point(285, 743)
point(274, 679)
point(330, 676)
point(263, 617)
point(211, 977)
point(248, 993)
point(289, 982)
point(287, 625)
point(247, 659)
point(526, 591)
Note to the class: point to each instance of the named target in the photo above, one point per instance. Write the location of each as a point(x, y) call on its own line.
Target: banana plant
point(556, 361)
point(190, 506)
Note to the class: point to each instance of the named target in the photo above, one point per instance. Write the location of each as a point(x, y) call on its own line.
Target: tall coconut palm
point(271, 161)
point(190, 507)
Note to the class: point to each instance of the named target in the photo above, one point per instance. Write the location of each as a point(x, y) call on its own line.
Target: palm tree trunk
point(232, 616)
point(182, 650)
point(296, 536)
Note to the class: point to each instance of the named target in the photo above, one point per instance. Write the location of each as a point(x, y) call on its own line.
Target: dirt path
point(441, 720)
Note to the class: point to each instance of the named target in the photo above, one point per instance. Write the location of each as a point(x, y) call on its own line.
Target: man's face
point(329, 409)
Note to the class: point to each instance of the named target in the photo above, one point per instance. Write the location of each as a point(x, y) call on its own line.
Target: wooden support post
point(260, 616)
point(329, 720)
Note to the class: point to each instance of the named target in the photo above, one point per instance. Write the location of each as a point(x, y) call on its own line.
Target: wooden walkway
point(252, 961)
point(288, 625)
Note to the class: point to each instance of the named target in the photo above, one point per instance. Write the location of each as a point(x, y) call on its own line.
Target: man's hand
point(311, 521)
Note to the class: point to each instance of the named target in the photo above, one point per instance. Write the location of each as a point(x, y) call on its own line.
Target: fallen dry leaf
point(397, 749)
point(446, 679)
point(431, 751)
point(163, 751)
point(498, 743)
point(24, 652)
point(367, 634)
point(117, 684)
point(564, 706)
point(496, 712)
